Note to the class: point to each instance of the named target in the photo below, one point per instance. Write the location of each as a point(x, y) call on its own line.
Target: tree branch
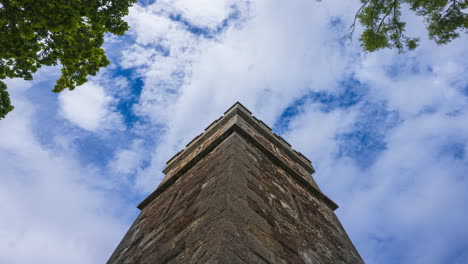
point(389, 11)
point(351, 28)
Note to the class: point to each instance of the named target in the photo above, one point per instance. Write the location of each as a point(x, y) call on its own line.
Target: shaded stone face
point(236, 204)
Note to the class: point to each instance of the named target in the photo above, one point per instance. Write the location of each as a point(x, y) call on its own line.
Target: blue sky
point(386, 132)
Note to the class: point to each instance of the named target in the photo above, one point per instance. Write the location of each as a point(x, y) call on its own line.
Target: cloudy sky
point(387, 132)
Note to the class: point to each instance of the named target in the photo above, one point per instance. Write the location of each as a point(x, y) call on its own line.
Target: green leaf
point(50, 32)
point(5, 103)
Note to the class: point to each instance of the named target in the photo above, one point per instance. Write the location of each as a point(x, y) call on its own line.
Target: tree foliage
point(445, 20)
point(69, 33)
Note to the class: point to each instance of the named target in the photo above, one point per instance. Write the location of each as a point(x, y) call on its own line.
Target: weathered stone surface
point(236, 201)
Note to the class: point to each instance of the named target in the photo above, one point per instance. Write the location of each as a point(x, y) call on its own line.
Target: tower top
point(239, 119)
point(238, 110)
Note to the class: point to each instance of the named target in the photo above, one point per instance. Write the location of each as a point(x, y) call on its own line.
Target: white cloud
point(205, 13)
point(88, 107)
point(127, 160)
point(314, 132)
point(202, 13)
point(136, 56)
point(412, 82)
point(149, 27)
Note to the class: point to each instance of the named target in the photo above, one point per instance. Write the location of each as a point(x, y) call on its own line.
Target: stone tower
point(238, 193)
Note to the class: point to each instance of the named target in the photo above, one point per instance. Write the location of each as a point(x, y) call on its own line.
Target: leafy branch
point(383, 28)
point(38, 33)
